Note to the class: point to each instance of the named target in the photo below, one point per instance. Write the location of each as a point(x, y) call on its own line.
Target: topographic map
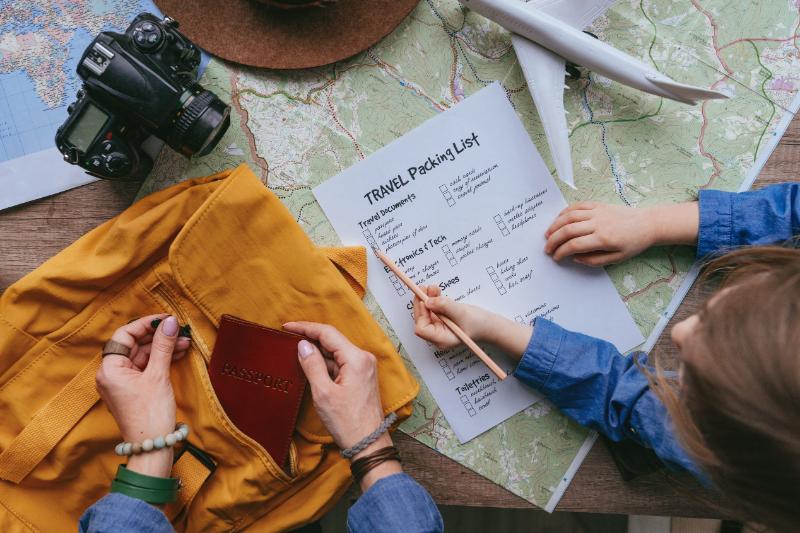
point(297, 129)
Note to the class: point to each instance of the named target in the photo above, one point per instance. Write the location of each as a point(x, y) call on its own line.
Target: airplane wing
point(544, 71)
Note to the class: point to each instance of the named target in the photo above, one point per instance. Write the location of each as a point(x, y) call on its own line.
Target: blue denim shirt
point(585, 377)
point(393, 504)
point(589, 380)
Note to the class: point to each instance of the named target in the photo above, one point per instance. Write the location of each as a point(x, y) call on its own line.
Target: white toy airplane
point(547, 33)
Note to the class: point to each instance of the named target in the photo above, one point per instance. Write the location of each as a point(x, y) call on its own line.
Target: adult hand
point(344, 386)
point(137, 389)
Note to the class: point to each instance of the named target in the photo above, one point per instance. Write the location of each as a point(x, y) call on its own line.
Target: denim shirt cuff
point(716, 222)
point(118, 512)
point(394, 503)
point(540, 356)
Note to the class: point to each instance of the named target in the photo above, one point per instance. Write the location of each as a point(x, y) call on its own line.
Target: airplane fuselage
point(576, 46)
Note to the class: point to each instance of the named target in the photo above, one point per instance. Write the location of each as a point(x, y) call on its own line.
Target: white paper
point(37, 175)
point(472, 222)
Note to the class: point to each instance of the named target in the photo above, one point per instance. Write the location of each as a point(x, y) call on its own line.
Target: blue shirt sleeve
point(395, 504)
point(117, 513)
point(595, 385)
point(729, 220)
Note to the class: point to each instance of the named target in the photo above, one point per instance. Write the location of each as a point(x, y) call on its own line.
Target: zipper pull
point(185, 331)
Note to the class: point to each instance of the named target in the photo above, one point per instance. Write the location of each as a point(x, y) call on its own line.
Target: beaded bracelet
point(134, 448)
point(361, 445)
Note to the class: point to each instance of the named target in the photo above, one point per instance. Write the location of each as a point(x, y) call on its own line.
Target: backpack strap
point(50, 424)
point(192, 467)
point(63, 412)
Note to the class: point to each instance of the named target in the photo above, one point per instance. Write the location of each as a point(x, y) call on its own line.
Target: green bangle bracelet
point(148, 495)
point(146, 482)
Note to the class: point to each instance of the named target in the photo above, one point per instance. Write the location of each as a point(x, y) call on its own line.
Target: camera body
point(135, 85)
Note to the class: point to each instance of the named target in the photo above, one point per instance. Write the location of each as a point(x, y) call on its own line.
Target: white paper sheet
point(463, 202)
point(37, 175)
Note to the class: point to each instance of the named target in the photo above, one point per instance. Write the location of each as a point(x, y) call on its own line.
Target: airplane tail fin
point(688, 94)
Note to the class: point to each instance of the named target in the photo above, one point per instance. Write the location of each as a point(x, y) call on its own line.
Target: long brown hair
point(737, 407)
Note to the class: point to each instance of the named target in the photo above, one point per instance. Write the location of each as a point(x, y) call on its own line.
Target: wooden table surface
point(31, 233)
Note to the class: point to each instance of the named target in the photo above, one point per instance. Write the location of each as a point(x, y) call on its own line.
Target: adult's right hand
point(344, 386)
point(344, 382)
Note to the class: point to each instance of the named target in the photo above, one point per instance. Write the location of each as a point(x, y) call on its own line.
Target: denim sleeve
point(395, 504)
point(117, 513)
point(729, 220)
point(595, 385)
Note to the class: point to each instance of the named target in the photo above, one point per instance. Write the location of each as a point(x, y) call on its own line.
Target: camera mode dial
point(147, 36)
point(117, 163)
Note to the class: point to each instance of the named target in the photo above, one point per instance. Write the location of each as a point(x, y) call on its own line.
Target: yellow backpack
point(222, 244)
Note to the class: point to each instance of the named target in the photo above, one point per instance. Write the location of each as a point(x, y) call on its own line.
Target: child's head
point(737, 410)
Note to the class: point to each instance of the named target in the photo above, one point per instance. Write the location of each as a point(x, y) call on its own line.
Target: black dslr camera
point(137, 84)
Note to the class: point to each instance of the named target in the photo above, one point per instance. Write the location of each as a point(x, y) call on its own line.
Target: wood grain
point(32, 233)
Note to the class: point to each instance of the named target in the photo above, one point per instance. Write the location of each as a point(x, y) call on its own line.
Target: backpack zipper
point(183, 317)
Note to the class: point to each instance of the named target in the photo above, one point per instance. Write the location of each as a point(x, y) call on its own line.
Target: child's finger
point(442, 305)
point(570, 217)
point(585, 205)
point(417, 308)
point(568, 232)
point(422, 316)
point(565, 210)
point(596, 259)
point(587, 243)
point(425, 329)
point(432, 290)
point(579, 206)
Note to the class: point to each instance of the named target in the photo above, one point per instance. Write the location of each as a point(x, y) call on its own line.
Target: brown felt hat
point(256, 33)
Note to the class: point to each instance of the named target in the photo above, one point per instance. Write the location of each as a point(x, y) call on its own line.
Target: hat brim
point(247, 32)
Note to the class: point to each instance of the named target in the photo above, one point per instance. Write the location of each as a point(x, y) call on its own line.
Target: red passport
point(256, 375)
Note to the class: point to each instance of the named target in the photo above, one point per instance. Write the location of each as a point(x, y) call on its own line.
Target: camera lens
point(202, 123)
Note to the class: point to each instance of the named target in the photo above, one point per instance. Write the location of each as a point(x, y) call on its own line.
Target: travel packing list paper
point(463, 202)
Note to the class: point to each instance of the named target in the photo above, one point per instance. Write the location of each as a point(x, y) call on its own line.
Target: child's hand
point(598, 234)
point(473, 320)
point(478, 323)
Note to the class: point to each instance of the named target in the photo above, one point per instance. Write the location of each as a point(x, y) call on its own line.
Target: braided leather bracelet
point(362, 465)
point(361, 445)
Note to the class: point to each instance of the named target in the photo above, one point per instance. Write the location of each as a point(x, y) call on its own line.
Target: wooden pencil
point(460, 333)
